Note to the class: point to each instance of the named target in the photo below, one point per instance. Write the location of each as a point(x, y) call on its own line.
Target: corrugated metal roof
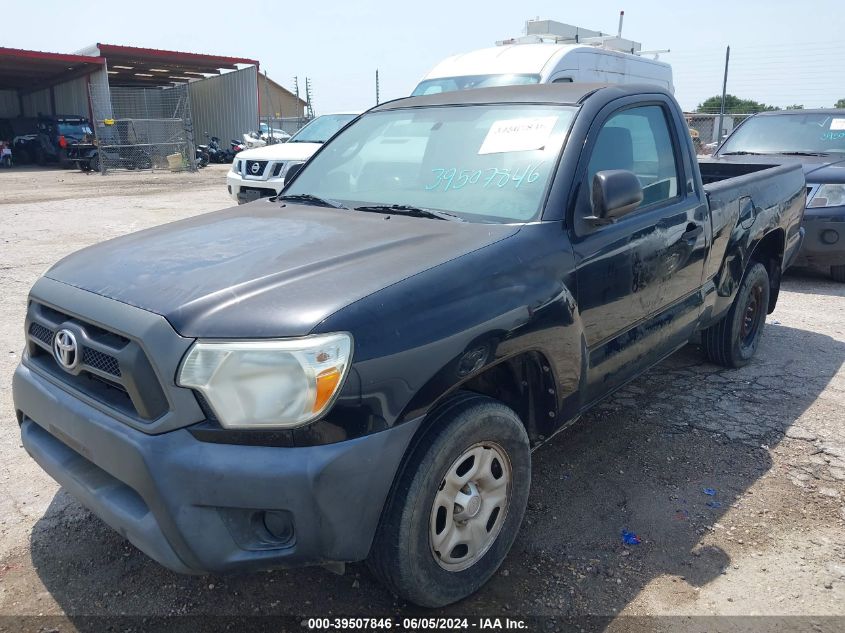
point(24, 69)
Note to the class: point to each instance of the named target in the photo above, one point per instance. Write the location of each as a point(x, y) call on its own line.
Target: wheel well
point(526, 384)
point(769, 252)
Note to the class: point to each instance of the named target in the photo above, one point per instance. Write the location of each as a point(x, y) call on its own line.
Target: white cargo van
point(512, 64)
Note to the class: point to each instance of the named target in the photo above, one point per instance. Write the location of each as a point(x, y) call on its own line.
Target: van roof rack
point(539, 31)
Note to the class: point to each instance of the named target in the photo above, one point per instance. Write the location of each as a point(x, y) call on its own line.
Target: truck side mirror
point(615, 192)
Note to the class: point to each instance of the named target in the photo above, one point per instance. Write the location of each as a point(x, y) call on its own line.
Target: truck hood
point(267, 270)
point(817, 169)
point(281, 151)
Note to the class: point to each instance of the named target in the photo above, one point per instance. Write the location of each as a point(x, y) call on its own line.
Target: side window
point(638, 140)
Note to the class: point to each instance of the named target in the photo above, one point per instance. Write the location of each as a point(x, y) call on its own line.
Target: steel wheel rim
point(470, 506)
point(751, 316)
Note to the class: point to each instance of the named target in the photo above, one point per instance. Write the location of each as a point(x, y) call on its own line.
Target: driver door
point(639, 278)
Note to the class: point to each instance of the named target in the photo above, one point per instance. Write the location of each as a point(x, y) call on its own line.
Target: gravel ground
point(768, 439)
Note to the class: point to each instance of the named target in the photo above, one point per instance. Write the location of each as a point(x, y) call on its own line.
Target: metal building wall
point(226, 105)
point(72, 97)
point(9, 106)
point(36, 102)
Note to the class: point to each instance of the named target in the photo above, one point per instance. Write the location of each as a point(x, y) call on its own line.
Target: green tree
point(733, 105)
point(840, 104)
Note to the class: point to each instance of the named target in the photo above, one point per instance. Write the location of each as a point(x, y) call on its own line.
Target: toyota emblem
point(66, 350)
point(255, 168)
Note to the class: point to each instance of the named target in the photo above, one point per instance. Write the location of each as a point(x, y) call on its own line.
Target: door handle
point(693, 231)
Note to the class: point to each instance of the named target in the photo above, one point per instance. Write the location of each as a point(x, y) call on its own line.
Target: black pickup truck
point(360, 368)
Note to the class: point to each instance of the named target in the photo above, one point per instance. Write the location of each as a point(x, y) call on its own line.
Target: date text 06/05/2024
point(416, 624)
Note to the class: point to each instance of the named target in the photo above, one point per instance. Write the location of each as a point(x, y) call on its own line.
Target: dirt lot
point(768, 439)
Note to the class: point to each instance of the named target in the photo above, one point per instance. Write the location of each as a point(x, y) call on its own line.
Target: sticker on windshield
point(518, 135)
point(837, 124)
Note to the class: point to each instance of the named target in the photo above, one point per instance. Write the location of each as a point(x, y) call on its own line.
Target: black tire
point(92, 164)
point(733, 341)
point(403, 555)
point(837, 273)
point(40, 157)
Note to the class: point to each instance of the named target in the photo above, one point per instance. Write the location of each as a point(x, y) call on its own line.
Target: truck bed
point(753, 196)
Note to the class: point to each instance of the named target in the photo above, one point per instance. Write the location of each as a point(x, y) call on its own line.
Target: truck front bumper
point(198, 507)
point(249, 189)
point(824, 240)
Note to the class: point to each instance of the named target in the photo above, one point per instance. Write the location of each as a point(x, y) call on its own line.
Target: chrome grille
point(255, 168)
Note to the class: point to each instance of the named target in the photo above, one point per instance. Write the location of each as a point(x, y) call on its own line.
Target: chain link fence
point(143, 128)
point(705, 132)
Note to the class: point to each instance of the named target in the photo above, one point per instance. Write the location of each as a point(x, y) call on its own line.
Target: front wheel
point(733, 341)
point(837, 273)
point(457, 505)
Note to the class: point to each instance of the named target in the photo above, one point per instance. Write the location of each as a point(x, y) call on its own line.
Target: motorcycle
point(219, 154)
point(201, 156)
point(237, 146)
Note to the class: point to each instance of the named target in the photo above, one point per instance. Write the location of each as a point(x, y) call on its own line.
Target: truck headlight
point(268, 384)
point(827, 196)
point(236, 166)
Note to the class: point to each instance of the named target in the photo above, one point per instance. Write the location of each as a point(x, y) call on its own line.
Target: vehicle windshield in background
point(787, 133)
point(449, 84)
point(76, 130)
point(483, 163)
point(322, 128)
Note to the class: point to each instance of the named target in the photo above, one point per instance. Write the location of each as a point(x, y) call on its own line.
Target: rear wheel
point(838, 273)
point(457, 505)
point(733, 341)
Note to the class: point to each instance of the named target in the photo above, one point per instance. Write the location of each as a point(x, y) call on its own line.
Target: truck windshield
point(483, 163)
point(75, 129)
point(322, 128)
point(448, 84)
point(811, 133)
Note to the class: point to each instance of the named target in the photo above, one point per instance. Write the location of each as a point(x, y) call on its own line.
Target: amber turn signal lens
point(326, 385)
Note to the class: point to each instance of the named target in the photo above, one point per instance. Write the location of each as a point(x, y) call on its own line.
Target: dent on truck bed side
point(421, 339)
point(743, 211)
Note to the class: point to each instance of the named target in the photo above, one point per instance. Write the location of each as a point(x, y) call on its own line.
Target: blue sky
point(782, 52)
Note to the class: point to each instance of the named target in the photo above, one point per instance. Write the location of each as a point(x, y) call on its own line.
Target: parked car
point(260, 172)
point(360, 368)
point(277, 135)
point(815, 139)
point(513, 64)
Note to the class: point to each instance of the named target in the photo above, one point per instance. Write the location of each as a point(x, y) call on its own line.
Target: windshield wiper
point(804, 153)
point(741, 153)
point(308, 198)
point(407, 209)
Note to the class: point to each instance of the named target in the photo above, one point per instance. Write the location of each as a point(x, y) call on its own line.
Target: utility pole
point(724, 94)
point(377, 96)
point(309, 99)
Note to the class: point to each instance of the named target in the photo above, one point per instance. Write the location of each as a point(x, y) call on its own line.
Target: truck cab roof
point(561, 93)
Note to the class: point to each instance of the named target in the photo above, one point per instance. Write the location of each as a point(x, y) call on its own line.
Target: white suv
point(260, 172)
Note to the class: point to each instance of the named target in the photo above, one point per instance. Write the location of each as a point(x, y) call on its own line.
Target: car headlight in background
point(281, 169)
point(268, 384)
point(828, 196)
